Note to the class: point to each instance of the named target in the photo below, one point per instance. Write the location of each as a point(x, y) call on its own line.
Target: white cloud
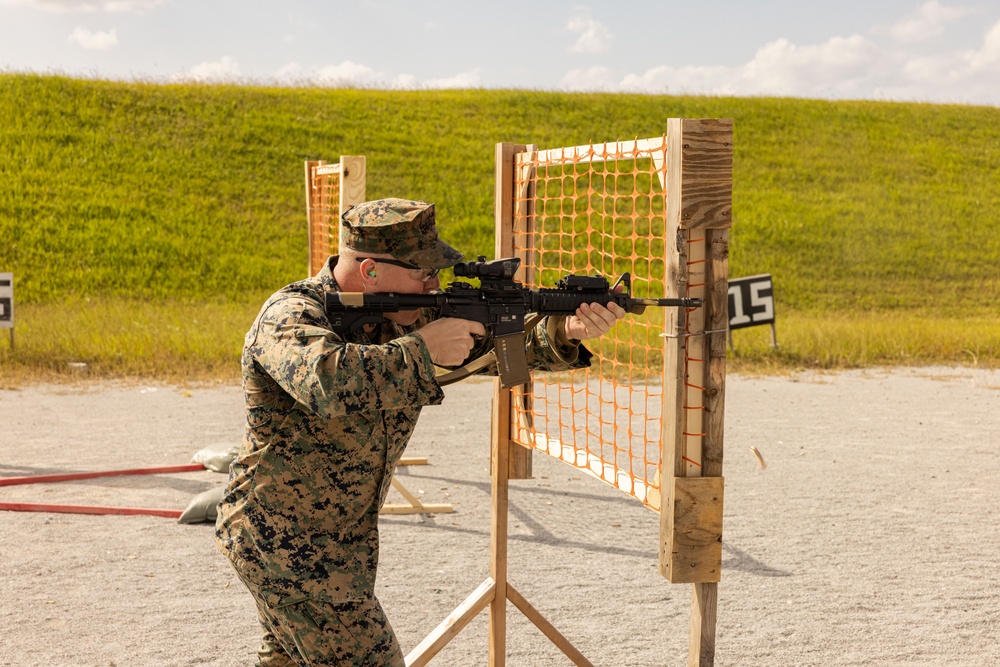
point(594, 36)
point(405, 82)
point(291, 71)
point(679, 81)
point(71, 6)
point(967, 76)
point(225, 69)
point(851, 67)
point(471, 79)
point(593, 78)
point(346, 73)
point(841, 66)
point(929, 20)
point(94, 41)
point(988, 57)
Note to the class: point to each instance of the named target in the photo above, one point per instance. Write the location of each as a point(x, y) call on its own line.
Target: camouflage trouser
point(313, 633)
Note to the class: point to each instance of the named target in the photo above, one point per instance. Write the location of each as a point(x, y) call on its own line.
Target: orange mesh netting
point(323, 201)
point(601, 209)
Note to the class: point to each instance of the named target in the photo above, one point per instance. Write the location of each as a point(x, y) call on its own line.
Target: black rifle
point(500, 304)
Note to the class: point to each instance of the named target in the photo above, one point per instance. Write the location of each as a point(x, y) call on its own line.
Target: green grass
point(163, 340)
point(176, 208)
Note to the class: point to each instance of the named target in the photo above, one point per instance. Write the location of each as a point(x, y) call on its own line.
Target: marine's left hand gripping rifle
point(500, 304)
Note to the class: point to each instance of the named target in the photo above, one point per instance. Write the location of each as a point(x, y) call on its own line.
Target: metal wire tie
point(688, 335)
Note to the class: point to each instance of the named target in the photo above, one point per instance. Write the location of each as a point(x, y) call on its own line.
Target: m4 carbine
point(500, 304)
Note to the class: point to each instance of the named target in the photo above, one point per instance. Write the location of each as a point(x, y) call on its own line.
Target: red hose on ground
point(93, 509)
point(69, 476)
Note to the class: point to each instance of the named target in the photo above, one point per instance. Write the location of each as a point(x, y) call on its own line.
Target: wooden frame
point(698, 183)
point(351, 174)
point(699, 212)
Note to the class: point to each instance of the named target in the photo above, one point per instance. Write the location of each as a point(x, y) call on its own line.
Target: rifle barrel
point(682, 302)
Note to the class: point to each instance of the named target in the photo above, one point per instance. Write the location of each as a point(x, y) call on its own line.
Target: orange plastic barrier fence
point(599, 209)
point(330, 190)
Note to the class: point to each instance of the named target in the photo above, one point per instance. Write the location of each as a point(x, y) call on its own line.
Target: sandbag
point(203, 507)
point(216, 457)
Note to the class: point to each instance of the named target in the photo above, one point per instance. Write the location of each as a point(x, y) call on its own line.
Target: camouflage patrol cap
point(402, 228)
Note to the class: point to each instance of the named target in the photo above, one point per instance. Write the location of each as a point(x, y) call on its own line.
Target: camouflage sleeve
point(294, 345)
point(548, 349)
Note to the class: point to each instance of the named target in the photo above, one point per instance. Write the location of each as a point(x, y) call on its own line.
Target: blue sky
point(928, 51)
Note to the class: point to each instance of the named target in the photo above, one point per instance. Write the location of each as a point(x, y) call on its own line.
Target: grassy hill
point(167, 204)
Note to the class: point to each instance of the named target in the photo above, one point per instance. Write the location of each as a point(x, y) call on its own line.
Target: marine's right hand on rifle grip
point(449, 339)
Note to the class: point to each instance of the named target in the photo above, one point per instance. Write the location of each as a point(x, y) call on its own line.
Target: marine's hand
point(449, 339)
point(592, 320)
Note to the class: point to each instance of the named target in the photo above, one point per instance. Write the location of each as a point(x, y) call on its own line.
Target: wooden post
point(699, 211)
point(353, 183)
point(501, 449)
point(310, 206)
point(500, 474)
point(524, 211)
point(519, 457)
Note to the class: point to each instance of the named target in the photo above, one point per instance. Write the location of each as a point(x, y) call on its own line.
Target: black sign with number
point(751, 301)
point(7, 301)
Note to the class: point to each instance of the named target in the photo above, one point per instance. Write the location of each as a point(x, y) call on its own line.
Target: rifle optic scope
point(503, 269)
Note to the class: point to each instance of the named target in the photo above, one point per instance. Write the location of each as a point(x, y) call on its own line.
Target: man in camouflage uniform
point(328, 416)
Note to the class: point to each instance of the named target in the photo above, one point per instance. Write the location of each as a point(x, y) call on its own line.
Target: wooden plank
point(700, 165)
point(708, 150)
point(547, 628)
point(413, 461)
point(452, 625)
point(707, 206)
point(717, 308)
point(673, 415)
point(416, 506)
point(701, 642)
point(676, 324)
point(423, 508)
point(498, 524)
point(704, 596)
point(403, 491)
point(694, 514)
point(520, 457)
point(353, 181)
point(310, 165)
point(699, 206)
point(500, 437)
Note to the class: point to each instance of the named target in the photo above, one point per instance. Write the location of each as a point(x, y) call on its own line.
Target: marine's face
point(402, 280)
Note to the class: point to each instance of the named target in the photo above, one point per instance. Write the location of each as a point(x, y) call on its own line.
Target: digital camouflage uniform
point(328, 417)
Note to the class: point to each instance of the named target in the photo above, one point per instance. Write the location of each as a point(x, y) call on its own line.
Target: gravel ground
point(870, 539)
